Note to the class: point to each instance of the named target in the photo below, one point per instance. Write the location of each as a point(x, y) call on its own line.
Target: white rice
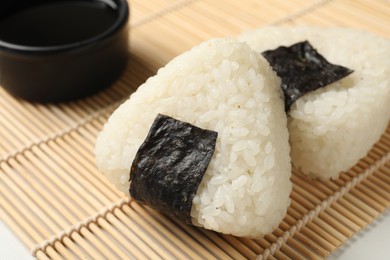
point(333, 127)
point(221, 85)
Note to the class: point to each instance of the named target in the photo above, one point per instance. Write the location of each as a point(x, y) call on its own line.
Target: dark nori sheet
point(302, 69)
point(170, 165)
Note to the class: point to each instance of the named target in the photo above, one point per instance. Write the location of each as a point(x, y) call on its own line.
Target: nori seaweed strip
point(302, 69)
point(170, 165)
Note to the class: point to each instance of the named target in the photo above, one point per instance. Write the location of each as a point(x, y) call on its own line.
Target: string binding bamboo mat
point(60, 206)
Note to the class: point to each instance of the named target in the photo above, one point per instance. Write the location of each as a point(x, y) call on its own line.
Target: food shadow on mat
point(188, 239)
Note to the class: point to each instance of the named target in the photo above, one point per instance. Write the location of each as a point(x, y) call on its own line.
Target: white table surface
point(371, 243)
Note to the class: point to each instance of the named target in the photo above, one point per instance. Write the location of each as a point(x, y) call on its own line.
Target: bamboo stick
point(62, 250)
point(83, 171)
point(89, 167)
point(71, 187)
point(107, 241)
point(155, 229)
point(175, 234)
point(87, 249)
point(271, 238)
point(131, 249)
point(34, 203)
point(27, 224)
point(74, 248)
point(129, 233)
point(103, 250)
point(52, 253)
point(34, 178)
point(42, 256)
point(15, 226)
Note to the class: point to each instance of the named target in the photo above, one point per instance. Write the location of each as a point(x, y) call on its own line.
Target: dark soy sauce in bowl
point(61, 50)
point(57, 23)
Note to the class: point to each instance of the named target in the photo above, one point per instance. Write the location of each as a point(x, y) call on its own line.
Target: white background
point(371, 243)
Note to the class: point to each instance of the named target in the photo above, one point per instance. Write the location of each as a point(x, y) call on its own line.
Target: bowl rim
point(121, 7)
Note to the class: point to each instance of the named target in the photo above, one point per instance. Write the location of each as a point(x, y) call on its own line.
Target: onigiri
point(333, 127)
point(223, 86)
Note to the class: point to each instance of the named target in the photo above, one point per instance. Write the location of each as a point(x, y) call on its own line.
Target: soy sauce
point(55, 23)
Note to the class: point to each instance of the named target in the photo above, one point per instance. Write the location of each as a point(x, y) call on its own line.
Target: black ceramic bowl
point(60, 50)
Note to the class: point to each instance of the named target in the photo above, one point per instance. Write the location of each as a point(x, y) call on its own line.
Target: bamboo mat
point(60, 206)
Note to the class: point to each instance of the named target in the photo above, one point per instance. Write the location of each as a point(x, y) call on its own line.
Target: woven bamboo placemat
point(60, 206)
